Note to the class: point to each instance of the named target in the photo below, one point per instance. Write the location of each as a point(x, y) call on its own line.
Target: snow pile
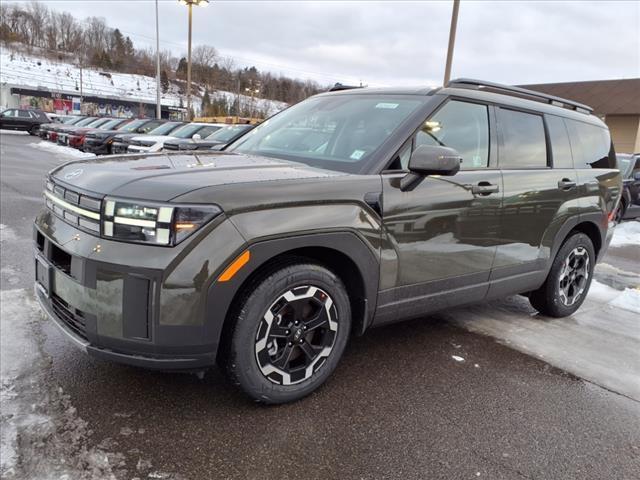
point(61, 150)
point(626, 233)
point(13, 132)
point(629, 299)
point(41, 73)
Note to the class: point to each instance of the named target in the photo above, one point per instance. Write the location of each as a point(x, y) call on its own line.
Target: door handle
point(566, 184)
point(484, 188)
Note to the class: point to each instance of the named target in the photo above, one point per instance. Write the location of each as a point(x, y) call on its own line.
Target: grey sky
point(396, 42)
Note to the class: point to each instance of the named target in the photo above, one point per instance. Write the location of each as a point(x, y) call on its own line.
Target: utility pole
point(81, 95)
point(190, 5)
point(452, 41)
point(158, 87)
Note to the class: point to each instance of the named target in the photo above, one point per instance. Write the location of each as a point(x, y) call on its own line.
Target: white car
point(154, 143)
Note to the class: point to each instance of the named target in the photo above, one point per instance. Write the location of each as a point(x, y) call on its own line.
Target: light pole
point(190, 4)
point(452, 41)
point(253, 92)
point(158, 109)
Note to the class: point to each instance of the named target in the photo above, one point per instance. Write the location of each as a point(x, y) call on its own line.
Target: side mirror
point(196, 136)
point(433, 160)
point(430, 160)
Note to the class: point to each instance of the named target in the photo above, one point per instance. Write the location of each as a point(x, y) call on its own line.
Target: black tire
point(620, 211)
point(248, 356)
point(34, 130)
point(554, 297)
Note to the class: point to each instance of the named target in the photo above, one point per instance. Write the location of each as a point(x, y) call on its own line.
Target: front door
point(444, 232)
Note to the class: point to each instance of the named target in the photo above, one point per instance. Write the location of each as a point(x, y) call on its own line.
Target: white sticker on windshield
point(389, 106)
point(357, 154)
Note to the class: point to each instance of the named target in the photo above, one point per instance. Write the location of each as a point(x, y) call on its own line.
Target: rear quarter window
point(591, 145)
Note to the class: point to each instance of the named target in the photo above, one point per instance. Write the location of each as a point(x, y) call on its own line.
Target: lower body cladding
point(130, 303)
point(118, 147)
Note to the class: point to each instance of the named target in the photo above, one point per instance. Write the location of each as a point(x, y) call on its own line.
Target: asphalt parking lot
point(440, 397)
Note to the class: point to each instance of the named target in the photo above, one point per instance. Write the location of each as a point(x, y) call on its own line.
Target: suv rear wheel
point(569, 279)
point(290, 332)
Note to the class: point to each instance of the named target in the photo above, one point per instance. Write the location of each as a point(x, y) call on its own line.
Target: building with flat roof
point(617, 102)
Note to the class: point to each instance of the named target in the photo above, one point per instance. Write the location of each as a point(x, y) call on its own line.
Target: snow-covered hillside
point(32, 71)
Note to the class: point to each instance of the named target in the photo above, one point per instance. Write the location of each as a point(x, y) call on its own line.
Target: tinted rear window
point(560, 146)
point(591, 145)
point(524, 143)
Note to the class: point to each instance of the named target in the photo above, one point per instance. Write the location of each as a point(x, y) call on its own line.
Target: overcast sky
point(396, 42)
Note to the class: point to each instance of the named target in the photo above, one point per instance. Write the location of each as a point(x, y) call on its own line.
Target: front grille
point(81, 211)
point(72, 317)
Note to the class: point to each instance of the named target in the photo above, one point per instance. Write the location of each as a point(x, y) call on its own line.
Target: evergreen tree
point(181, 71)
point(164, 81)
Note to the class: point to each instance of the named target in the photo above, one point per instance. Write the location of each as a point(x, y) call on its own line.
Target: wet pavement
point(421, 399)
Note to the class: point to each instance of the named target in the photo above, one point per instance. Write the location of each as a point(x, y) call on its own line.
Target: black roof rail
point(519, 91)
point(338, 86)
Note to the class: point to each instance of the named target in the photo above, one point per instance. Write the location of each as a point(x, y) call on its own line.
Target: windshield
point(111, 124)
point(131, 126)
point(165, 128)
point(71, 120)
point(85, 121)
point(187, 131)
point(97, 123)
point(625, 164)
point(337, 132)
point(227, 133)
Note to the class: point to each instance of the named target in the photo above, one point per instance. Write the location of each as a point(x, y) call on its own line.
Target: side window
point(524, 140)
point(463, 126)
point(591, 145)
point(9, 113)
point(23, 114)
point(560, 146)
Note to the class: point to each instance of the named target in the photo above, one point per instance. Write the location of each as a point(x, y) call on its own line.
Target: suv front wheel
point(569, 279)
point(289, 334)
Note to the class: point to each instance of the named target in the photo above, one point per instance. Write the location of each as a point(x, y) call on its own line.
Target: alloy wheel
point(574, 276)
point(296, 335)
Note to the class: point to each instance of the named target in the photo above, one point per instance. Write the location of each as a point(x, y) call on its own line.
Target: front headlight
point(157, 224)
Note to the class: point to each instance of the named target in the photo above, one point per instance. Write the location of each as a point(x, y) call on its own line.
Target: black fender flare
point(220, 295)
point(594, 219)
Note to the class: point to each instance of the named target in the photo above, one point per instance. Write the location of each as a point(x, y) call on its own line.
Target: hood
point(121, 137)
point(162, 177)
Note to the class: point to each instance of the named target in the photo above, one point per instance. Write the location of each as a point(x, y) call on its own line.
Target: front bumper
point(139, 149)
point(94, 145)
point(136, 304)
point(119, 147)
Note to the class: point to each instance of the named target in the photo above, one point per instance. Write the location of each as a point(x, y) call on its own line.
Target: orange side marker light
point(235, 266)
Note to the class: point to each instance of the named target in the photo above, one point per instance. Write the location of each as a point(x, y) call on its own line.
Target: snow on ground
point(61, 150)
point(626, 233)
point(34, 71)
point(42, 437)
point(12, 132)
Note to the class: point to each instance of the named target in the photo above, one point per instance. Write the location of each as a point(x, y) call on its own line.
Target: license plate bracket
point(44, 275)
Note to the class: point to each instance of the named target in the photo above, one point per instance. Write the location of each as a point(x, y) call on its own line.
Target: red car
point(76, 137)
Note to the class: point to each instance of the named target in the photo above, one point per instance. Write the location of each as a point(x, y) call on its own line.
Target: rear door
point(540, 195)
point(444, 231)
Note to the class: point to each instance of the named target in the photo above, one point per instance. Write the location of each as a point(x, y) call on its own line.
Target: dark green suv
point(352, 209)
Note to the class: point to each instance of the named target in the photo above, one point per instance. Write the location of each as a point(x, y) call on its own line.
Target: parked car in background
point(56, 118)
point(77, 137)
point(629, 206)
point(217, 140)
point(25, 119)
point(72, 130)
point(55, 130)
point(101, 142)
point(385, 204)
point(121, 141)
point(45, 128)
point(154, 143)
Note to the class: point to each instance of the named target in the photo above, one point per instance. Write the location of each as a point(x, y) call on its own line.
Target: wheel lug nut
point(288, 332)
point(290, 343)
point(301, 340)
point(304, 327)
point(296, 322)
